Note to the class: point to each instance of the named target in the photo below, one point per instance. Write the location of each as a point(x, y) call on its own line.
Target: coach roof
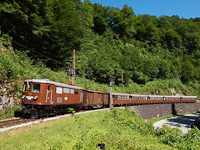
point(52, 82)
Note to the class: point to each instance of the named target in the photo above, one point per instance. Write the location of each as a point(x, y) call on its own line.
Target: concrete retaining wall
point(160, 110)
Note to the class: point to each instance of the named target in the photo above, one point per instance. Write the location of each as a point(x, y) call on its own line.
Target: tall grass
point(117, 129)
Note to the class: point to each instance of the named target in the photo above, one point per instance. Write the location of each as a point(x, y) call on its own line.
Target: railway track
point(8, 124)
point(15, 121)
point(20, 122)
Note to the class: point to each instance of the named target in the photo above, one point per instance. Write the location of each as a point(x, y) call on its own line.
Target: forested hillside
point(107, 40)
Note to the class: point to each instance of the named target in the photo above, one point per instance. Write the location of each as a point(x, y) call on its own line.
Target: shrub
point(130, 119)
point(170, 136)
point(9, 112)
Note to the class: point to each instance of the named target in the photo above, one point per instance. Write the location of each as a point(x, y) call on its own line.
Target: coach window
point(72, 91)
point(133, 98)
point(66, 90)
point(118, 97)
point(58, 90)
point(76, 92)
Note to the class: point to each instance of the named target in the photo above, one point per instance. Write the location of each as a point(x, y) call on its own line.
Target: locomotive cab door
point(49, 94)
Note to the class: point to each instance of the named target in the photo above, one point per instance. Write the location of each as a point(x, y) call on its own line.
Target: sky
point(183, 8)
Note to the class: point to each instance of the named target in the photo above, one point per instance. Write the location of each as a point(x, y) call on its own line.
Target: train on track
point(42, 97)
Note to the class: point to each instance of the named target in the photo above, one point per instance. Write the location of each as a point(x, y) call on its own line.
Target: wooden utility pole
point(73, 69)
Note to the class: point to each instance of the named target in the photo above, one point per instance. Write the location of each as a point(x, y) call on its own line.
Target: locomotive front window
point(26, 87)
point(35, 88)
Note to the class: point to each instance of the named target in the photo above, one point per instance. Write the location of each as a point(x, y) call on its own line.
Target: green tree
point(100, 18)
point(188, 71)
point(172, 39)
point(123, 21)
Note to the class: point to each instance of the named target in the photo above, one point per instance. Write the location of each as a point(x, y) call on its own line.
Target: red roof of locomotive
point(52, 82)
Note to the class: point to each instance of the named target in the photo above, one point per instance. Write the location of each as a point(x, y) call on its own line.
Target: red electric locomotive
point(42, 96)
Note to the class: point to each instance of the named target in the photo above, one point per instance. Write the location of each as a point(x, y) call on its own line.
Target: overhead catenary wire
point(36, 52)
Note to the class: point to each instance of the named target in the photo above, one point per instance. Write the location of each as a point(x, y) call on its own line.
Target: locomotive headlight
point(35, 98)
point(23, 96)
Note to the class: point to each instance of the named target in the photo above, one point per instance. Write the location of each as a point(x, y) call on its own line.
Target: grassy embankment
point(118, 129)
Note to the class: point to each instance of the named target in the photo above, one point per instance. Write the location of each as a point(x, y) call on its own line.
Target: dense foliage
point(108, 40)
point(17, 67)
